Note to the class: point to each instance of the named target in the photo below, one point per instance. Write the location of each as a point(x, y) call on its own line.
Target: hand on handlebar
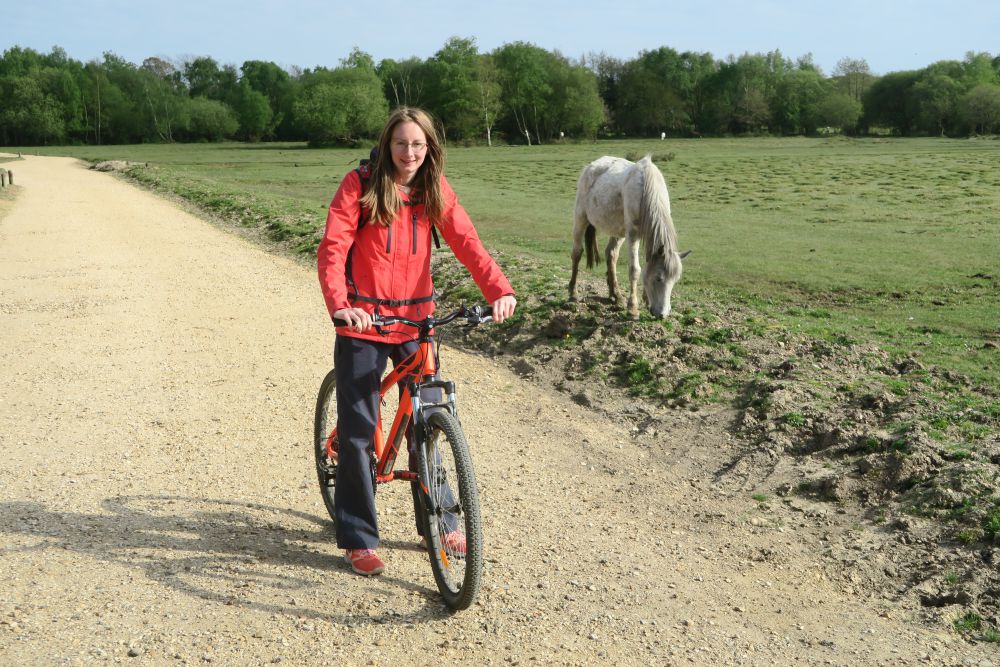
point(355, 318)
point(361, 321)
point(504, 308)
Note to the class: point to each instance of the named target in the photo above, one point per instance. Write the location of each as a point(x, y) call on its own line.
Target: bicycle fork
point(437, 479)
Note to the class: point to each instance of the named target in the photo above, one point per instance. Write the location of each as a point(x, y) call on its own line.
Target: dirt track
point(158, 502)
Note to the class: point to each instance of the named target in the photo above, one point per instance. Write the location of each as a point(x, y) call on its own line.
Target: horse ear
point(684, 254)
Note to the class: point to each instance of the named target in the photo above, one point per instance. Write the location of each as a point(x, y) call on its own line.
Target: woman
point(383, 265)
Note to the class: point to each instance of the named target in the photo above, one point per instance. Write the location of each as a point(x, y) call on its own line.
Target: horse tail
point(657, 226)
point(590, 243)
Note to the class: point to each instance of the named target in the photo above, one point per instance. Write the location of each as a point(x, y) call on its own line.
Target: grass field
point(884, 240)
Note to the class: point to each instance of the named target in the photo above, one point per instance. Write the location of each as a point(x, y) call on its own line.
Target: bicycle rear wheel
point(326, 421)
point(451, 518)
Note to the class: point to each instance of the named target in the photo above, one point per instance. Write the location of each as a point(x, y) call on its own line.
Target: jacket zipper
point(414, 233)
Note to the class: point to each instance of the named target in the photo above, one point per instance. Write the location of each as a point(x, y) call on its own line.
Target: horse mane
point(658, 234)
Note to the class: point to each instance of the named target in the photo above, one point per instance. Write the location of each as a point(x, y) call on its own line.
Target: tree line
point(518, 93)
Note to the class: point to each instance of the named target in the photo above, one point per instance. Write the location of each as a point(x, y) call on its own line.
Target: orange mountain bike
point(448, 506)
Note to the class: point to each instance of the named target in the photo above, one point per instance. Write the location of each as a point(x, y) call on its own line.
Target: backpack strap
point(364, 171)
point(389, 302)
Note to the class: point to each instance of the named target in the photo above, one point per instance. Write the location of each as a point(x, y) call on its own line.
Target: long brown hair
point(382, 199)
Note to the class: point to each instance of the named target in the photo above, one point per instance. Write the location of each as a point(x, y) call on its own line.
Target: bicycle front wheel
point(451, 519)
point(326, 422)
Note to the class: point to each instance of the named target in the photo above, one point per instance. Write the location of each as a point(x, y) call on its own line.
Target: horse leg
point(633, 278)
point(579, 228)
point(577, 253)
point(611, 255)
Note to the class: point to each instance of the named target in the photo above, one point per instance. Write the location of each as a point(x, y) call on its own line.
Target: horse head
point(662, 271)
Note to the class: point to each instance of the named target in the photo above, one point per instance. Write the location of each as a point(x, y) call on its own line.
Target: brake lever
point(475, 315)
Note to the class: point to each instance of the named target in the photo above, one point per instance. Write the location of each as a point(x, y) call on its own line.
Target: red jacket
point(393, 263)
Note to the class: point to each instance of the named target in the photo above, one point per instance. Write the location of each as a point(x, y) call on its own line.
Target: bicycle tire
point(444, 452)
point(326, 419)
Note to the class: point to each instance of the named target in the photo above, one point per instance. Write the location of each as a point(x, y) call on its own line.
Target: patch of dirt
point(820, 428)
point(116, 165)
point(7, 196)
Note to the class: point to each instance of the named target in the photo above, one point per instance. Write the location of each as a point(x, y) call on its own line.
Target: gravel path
point(158, 504)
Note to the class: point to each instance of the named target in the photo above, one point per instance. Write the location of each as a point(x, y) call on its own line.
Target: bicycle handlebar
point(471, 314)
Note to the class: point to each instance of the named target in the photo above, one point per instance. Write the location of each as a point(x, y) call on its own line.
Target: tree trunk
point(86, 116)
point(98, 81)
point(534, 114)
point(522, 125)
point(152, 110)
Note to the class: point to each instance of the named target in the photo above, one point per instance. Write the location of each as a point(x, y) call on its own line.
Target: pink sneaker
point(364, 561)
point(453, 542)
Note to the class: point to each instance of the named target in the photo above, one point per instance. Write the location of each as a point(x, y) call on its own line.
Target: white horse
point(628, 200)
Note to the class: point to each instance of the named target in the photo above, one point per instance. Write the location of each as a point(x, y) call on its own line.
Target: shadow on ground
point(251, 555)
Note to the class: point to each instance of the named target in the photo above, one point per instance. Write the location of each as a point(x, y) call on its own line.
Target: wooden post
point(10, 177)
point(3, 178)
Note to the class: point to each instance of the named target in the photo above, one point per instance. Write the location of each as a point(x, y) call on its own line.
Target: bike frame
point(446, 500)
point(422, 365)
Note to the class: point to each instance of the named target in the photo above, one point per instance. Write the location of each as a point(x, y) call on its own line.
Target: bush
point(210, 120)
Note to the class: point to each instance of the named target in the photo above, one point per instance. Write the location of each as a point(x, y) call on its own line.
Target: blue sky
point(891, 35)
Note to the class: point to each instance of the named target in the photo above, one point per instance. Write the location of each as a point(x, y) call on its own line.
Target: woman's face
point(409, 148)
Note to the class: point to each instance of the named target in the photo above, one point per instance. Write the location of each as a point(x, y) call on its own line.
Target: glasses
point(401, 146)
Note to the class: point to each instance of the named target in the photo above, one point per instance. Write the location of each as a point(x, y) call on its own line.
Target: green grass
point(968, 622)
point(891, 241)
point(991, 525)
point(794, 419)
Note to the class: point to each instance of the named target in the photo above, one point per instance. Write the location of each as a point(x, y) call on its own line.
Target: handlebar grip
point(376, 320)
